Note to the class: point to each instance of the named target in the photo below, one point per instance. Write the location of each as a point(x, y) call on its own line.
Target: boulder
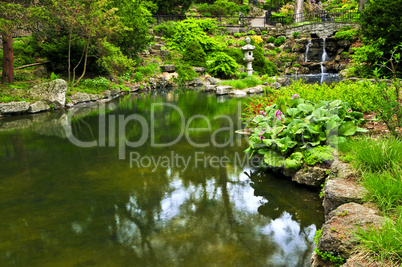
point(158, 46)
point(53, 93)
point(275, 85)
point(168, 68)
point(284, 81)
point(237, 93)
point(38, 106)
point(199, 69)
point(79, 97)
point(195, 82)
point(107, 94)
point(313, 176)
point(341, 191)
point(337, 236)
point(114, 92)
point(212, 80)
point(210, 88)
point(14, 107)
point(254, 90)
point(94, 97)
point(223, 89)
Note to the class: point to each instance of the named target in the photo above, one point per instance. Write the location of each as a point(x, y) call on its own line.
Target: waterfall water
point(307, 48)
point(324, 57)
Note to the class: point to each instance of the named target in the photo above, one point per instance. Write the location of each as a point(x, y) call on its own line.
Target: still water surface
point(65, 205)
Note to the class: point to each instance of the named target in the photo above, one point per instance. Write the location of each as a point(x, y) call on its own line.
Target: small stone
point(80, 97)
point(210, 88)
point(38, 106)
point(168, 68)
point(199, 69)
point(237, 93)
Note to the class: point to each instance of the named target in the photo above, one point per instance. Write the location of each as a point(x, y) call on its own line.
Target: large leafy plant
point(283, 131)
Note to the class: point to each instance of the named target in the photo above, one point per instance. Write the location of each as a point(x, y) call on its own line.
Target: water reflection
point(65, 205)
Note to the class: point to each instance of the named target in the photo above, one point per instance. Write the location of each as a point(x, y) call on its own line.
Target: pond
point(146, 180)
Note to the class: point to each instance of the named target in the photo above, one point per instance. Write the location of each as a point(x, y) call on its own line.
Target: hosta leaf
point(294, 161)
point(347, 128)
point(274, 159)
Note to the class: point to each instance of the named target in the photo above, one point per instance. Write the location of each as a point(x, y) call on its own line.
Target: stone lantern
point(248, 56)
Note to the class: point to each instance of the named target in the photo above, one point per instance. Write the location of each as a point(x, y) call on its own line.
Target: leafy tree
point(194, 54)
point(173, 6)
point(73, 16)
point(383, 19)
point(135, 16)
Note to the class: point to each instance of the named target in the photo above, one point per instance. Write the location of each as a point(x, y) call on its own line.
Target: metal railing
point(314, 17)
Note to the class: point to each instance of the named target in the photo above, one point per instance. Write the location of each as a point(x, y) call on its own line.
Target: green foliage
point(150, 69)
point(382, 244)
point(374, 155)
point(134, 18)
point(247, 82)
point(112, 59)
point(222, 65)
point(236, 54)
point(264, 32)
point(366, 57)
point(271, 39)
point(295, 34)
point(261, 64)
point(346, 34)
point(185, 73)
point(220, 8)
point(283, 130)
point(318, 154)
point(194, 55)
point(192, 29)
point(138, 76)
point(324, 254)
point(383, 19)
point(279, 41)
point(251, 32)
point(166, 29)
point(25, 51)
point(54, 76)
point(99, 83)
point(362, 96)
point(173, 6)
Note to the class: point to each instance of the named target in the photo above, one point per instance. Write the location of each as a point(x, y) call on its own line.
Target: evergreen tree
point(194, 54)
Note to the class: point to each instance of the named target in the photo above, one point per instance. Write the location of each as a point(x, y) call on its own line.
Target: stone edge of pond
point(344, 211)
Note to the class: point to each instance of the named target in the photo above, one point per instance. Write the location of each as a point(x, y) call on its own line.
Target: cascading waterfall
point(307, 48)
point(324, 57)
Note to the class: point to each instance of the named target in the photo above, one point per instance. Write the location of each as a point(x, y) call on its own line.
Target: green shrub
point(362, 96)
point(54, 76)
point(25, 51)
point(222, 65)
point(236, 53)
point(346, 35)
point(264, 32)
point(167, 29)
point(138, 76)
point(112, 59)
point(251, 32)
point(194, 55)
point(151, 69)
point(237, 35)
point(279, 41)
point(245, 82)
point(185, 73)
point(295, 34)
point(261, 64)
point(318, 154)
point(99, 83)
point(271, 39)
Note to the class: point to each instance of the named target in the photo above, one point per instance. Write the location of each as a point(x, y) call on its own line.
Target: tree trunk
point(299, 16)
point(8, 59)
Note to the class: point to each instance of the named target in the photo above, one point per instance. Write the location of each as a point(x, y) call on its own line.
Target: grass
point(378, 160)
point(250, 81)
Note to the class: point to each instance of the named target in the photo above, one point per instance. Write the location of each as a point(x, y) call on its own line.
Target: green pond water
point(118, 185)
